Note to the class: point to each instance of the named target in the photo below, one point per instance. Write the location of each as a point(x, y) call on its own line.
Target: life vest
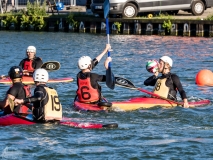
point(86, 93)
point(160, 88)
point(28, 65)
point(53, 108)
point(24, 108)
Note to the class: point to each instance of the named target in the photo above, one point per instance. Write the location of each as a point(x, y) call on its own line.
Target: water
point(156, 133)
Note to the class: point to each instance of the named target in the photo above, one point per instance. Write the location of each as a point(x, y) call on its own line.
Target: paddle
point(128, 84)
point(49, 66)
point(110, 80)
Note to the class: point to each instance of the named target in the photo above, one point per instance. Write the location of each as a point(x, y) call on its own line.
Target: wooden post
point(93, 27)
point(211, 30)
point(199, 30)
point(51, 27)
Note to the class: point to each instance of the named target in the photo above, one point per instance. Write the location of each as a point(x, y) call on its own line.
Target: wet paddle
point(49, 66)
point(128, 84)
point(110, 80)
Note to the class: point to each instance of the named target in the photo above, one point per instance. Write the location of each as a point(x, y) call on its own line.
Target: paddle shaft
point(110, 80)
point(107, 30)
point(158, 96)
point(49, 66)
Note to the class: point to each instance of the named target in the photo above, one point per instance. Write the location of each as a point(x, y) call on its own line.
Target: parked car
point(130, 8)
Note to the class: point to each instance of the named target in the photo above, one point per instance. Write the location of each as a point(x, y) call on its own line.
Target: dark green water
point(157, 133)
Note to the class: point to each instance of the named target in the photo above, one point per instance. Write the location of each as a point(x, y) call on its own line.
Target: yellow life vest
point(160, 88)
point(53, 108)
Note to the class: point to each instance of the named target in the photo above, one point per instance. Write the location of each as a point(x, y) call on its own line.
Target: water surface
point(156, 133)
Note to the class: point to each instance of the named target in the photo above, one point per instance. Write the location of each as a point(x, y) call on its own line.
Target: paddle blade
point(124, 83)
point(110, 79)
point(51, 65)
point(106, 8)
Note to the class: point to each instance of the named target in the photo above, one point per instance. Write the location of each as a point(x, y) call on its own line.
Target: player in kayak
point(46, 104)
point(31, 62)
point(89, 91)
point(168, 83)
point(17, 90)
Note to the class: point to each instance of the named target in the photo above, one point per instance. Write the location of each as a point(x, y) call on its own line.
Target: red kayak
point(134, 104)
point(29, 80)
point(26, 119)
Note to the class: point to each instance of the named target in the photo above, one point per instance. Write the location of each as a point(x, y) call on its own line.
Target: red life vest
point(86, 93)
point(28, 65)
point(23, 108)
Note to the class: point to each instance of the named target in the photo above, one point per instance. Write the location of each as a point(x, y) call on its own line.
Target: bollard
point(186, 30)
point(137, 28)
point(103, 27)
point(126, 28)
point(174, 30)
point(60, 25)
point(161, 30)
point(82, 28)
point(149, 29)
point(114, 29)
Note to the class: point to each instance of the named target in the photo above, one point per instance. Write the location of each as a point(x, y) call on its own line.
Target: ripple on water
point(156, 133)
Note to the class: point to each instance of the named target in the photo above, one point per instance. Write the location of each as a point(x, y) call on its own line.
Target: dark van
point(130, 8)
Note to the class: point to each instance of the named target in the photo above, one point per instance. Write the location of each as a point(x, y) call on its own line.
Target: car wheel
point(130, 10)
point(197, 8)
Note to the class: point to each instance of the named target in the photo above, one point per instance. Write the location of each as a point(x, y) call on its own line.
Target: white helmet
point(84, 62)
point(167, 60)
point(31, 49)
point(40, 75)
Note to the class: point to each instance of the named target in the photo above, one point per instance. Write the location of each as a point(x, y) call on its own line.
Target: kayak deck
point(135, 103)
point(27, 119)
point(29, 80)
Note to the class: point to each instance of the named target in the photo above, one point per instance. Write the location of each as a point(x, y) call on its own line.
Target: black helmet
point(15, 72)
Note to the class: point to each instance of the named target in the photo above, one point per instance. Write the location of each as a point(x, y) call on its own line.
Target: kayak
point(134, 104)
point(29, 80)
point(27, 119)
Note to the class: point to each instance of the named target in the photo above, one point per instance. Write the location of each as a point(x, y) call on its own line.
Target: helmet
point(40, 75)
point(84, 62)
point(15, 72)
point(152, 66)
point(167, 60)
point(31, 49)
